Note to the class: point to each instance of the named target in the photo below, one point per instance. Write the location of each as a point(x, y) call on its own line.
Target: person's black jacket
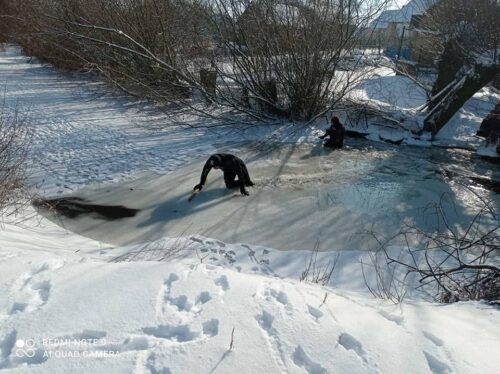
point(336, 132)
point(232, 167)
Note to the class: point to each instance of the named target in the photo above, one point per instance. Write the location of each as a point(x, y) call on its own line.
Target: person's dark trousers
point(229, 180)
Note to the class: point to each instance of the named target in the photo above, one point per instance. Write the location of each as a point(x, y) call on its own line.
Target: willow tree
point(469, 34)
point(288, 57)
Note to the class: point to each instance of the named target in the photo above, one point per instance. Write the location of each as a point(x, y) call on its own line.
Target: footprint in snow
point(203, 297)
point(164, 297)
point(315, 312)
point(129, 344)
point(17, 307)
point(13, 354)
point(171, 279)
point(433, 338)
point(153, 367)
point(301, 359)
point(176, 333)
point(392, 317)
point(85, 335)
point(279, 296)
point(181, 302)
point(183, 333)
point(265, 321)
point(7, 344)
point(436, 365)
point(43, 290)
point(350, 343)
point(211, 328)
point(32, 294)
point(222, 282)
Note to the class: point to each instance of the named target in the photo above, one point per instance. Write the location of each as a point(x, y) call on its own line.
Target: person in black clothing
point(336, 132)
point(232, 166)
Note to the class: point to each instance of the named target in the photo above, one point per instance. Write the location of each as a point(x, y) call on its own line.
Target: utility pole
point(401, 42)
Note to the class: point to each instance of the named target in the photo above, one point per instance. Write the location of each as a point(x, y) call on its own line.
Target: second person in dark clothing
point(336, 132)
point(232, 167)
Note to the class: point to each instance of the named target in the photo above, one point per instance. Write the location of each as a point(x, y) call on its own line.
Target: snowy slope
point(78, 312)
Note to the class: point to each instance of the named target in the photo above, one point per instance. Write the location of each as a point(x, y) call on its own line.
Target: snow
point(463, 126)
point(402, 97)
point(388, 90)
point(84, 134)
point(191, 303)
point(178, 316)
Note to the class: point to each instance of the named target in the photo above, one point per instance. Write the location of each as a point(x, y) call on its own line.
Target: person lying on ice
point(336, 132)
point(232, 166)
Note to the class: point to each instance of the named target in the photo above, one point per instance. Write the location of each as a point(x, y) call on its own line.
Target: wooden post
point(245, 97)
point(271, 94)
point(208, 79)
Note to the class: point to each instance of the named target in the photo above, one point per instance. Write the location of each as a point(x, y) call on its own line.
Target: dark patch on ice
point(391, 141)
point(490, 159)
point(489, 184)
point(74, 207)
point(356, 134)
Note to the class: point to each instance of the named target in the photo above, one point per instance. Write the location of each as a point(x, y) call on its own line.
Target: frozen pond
point(304, 196)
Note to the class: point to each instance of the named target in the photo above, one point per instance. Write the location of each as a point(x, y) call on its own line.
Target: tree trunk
point(208, 79)
point(475, 79)
point(449, 65)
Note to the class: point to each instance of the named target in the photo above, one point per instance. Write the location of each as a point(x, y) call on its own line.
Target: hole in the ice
point(74, 207)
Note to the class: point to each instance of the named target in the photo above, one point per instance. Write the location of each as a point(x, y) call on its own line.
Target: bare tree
point(140, 45)
point(387, 284)
point(288, 57)
point(264, 58)
point(318, 273)
point(452, 264)
point(468, 34)
point(14, 143)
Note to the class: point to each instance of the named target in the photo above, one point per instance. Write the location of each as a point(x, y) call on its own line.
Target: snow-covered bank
point(76, 312)
point(402, 97)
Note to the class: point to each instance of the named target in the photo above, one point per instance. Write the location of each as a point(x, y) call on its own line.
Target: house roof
point(403, 14)
point(286, 11)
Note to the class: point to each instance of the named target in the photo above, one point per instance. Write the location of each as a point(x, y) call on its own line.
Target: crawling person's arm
point(204, 174)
